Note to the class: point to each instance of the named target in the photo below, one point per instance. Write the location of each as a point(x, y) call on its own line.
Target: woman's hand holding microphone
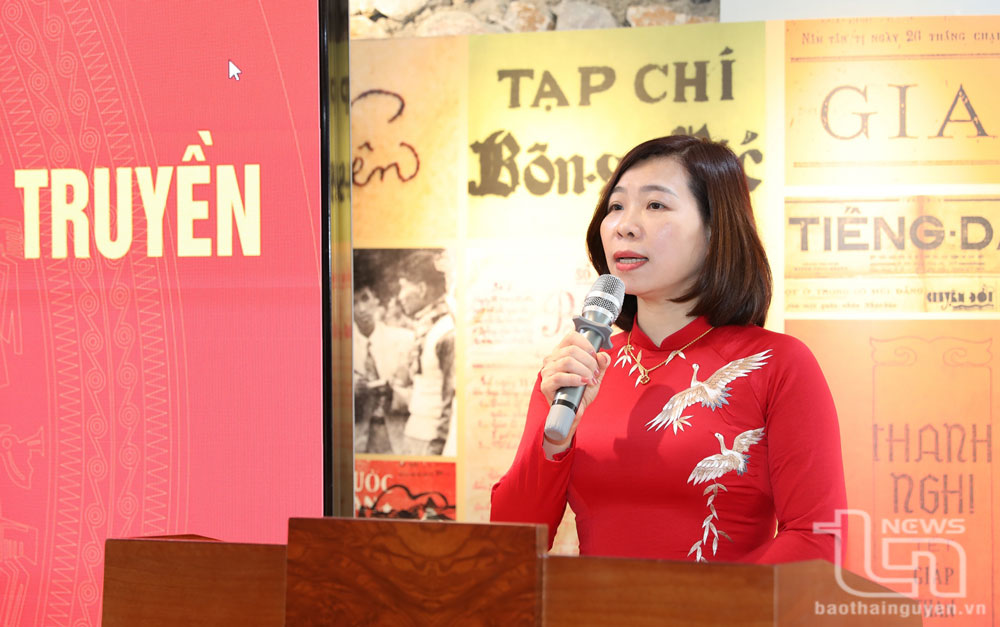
point(574, 362)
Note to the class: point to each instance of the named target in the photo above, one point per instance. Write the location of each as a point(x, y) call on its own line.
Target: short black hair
point(734, 285)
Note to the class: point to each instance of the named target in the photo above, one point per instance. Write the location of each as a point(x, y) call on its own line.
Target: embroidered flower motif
point(624, 359)
point(713, 392)
point(709, 526)
point(710, 469)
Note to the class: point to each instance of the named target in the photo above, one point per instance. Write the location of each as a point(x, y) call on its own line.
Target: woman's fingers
point(568, 380)
point(575, 338)
point(571, 360)
point(574, 362)
point(584, 354)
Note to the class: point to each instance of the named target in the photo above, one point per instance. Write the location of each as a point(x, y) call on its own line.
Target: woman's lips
point(628, 260)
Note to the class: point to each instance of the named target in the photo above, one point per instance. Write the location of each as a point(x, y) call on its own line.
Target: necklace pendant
point(644, 378)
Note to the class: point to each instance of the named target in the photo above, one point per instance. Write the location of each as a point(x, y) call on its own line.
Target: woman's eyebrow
point(647, 188)
point(658, 188)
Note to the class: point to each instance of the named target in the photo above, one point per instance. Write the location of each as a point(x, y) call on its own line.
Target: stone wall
point(375, 19)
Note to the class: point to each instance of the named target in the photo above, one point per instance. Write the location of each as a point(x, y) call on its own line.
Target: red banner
point(160, 361)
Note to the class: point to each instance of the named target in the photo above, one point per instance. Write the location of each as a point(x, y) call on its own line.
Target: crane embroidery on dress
point(713, 392)
point(710, 469)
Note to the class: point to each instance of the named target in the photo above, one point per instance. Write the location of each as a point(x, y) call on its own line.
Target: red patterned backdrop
point(144, 394)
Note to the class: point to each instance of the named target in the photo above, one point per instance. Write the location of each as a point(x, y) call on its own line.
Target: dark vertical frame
point(338, 399)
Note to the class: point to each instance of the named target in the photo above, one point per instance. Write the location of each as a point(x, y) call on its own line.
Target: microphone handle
point(567, 400)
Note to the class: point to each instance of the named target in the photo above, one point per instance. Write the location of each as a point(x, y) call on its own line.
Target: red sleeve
point(534, 489)
point(805, 463)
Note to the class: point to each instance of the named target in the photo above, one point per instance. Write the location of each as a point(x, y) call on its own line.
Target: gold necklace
point(644, 372)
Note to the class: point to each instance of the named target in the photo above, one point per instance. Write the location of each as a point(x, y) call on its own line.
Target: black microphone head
point(604, 302)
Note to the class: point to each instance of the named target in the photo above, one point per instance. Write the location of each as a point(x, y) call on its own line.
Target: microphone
point(601, 307)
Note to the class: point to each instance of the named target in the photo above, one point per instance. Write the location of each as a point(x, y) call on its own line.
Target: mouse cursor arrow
point(234, 72)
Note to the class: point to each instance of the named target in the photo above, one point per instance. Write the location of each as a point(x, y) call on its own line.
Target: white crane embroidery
point(713, 392)
point(736, 458)
point(710, 469)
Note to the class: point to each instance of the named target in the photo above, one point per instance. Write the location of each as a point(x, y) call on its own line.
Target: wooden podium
point(189, 580)
point(379, 572)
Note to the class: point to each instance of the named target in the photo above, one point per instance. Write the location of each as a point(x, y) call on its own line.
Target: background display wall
point(870, 151)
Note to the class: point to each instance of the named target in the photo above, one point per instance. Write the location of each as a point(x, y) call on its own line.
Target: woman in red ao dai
point(707, 426)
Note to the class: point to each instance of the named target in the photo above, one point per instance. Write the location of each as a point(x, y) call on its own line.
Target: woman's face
point(653, 235)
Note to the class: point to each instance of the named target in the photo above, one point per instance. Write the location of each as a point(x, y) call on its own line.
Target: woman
point(708, 432)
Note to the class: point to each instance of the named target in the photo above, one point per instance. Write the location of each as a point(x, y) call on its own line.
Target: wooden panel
point(807, 590)
point(379, 572)
point(173, 582)
point(607, 591)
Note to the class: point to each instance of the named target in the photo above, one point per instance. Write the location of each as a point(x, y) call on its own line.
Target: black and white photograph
point(404, 352)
